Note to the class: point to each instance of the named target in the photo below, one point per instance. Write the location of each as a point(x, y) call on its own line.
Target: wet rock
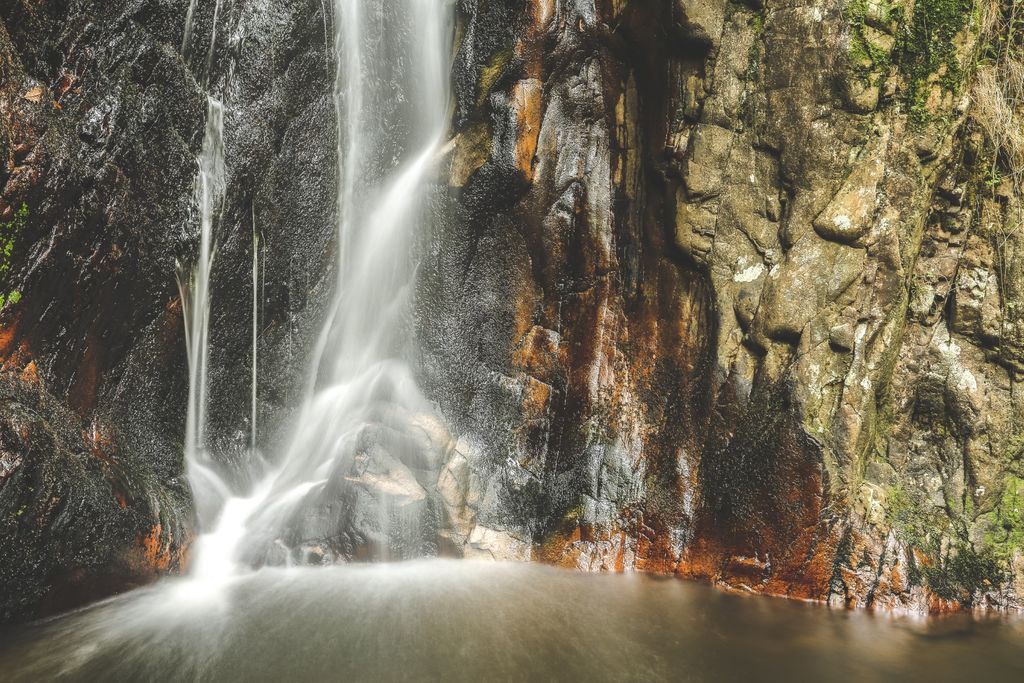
point(494, 544)
point(799, 201)
point(104, 161)
point(79, 518)
point(705, 295)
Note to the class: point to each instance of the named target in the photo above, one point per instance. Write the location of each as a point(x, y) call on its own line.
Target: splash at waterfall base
point(470, 621)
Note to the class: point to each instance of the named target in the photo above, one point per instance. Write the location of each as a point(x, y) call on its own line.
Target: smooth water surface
point(467, 621)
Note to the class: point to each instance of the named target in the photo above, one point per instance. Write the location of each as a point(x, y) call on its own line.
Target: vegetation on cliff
point(10, 231)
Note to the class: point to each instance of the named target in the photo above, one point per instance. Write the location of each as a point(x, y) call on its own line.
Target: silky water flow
point(362, 451)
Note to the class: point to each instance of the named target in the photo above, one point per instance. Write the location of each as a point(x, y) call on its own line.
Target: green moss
point(573, 515)
point(927, 47)
point(1006, 533)
point(757, 23)
point(10, 231)
point(754, 58)
point(14, 297)
point(905, 515)
point(1013, 455)
point(962, 569)
point(869, 57)
point(963, 572)
point(490, 73)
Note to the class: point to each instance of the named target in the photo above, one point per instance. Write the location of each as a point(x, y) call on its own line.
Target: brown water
point(465, 621)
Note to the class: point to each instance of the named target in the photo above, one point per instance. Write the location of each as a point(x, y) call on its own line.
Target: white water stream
point(194, 285)
point(362, 438)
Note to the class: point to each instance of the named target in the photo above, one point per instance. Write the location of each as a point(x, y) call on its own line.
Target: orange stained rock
point(156, 554)
point(101, 443)
point(152, 555)
point(921, 558)
point(937, 605)
point(558, 549)
point(537, 354)
point(565, 548)
point(810, 560)
point(62, 85)
point(173, 307)
point(30, 374)
point(530, 48)
point(541, 11)
point(793, 556)
point(702, 559)
point(526, 104)
point(654, 551)
point(12, 349)
point(6, 338)
point(536, 395)
point(896, 579)
point(620, 556)
point(524, 308)
point(16, 360)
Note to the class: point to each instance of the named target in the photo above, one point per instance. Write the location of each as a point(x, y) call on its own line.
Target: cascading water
point(364, 450)
point(194, 280)
point(194, 285)
point(255, 333)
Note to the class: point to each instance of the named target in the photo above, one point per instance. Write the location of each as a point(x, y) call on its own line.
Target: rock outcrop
point(729, 290)
point(741, 295)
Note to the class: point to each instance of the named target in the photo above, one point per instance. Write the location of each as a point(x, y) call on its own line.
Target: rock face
point(102, 114)
point(738, 284)
point(726, 290)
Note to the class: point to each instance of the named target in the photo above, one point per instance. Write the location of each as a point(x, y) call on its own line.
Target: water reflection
point(465, 621)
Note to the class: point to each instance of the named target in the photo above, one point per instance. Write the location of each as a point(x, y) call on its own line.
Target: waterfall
point(363, 446)
point(187, 38)
point(255, 330)
point(194, 279)
point(194, 286)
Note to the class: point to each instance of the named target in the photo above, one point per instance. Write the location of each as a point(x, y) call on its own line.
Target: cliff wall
point(726, 290)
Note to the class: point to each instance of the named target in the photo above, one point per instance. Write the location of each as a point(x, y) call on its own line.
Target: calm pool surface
point(466, 621)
